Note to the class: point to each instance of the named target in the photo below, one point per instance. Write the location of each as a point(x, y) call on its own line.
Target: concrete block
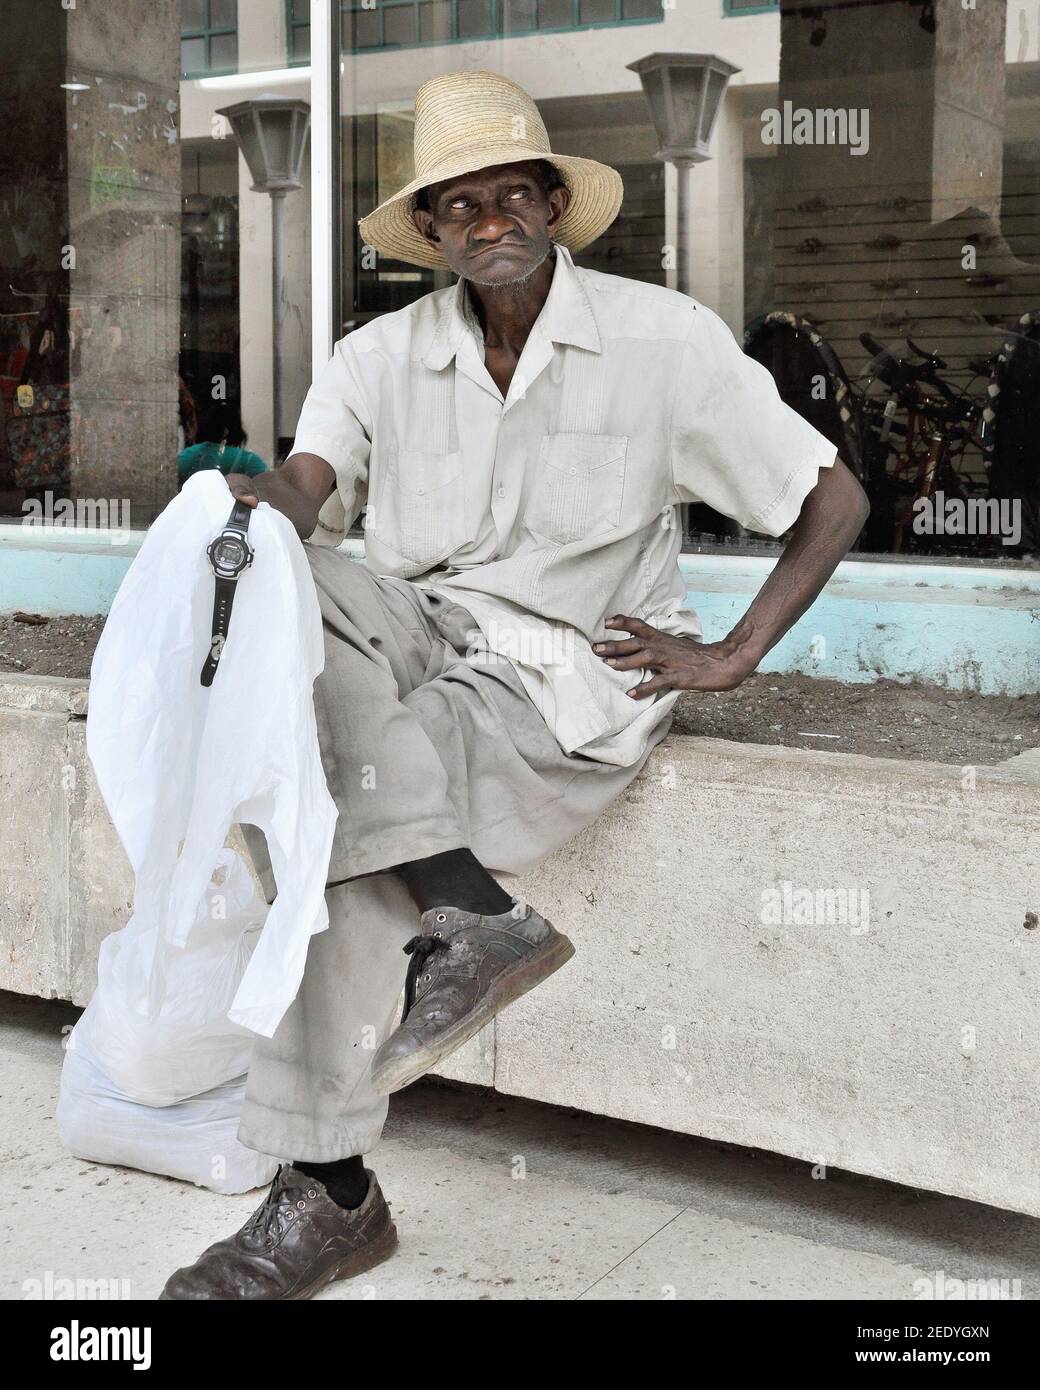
point(707, 998)
point(101, 882)
point(828, 956)
point(33, 851)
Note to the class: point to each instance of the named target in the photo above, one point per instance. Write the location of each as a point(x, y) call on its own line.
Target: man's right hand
point(298, 489)
point(243, 488)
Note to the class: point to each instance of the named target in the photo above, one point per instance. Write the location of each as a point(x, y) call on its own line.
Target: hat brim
point(596, 194)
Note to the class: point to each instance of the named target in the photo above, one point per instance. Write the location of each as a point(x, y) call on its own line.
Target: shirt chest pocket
point(579, 487)
point(421, 512)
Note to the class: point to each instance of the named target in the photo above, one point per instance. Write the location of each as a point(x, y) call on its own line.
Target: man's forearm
point(830, 521)
point(298, 489)
point(284, 497)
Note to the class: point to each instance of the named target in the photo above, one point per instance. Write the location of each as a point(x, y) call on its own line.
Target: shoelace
point(263, 1219)
point(420, 949)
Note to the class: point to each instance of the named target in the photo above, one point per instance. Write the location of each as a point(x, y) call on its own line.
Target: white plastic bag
point(158, 1021)
point(177, 763)
point(154, 1079)
point(195, 1140)
point(154, 1071)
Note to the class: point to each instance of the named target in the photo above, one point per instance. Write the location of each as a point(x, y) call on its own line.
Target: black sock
point(455, 878)
point(345, 1180)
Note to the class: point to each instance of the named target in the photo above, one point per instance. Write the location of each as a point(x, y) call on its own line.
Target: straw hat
point(469, 120)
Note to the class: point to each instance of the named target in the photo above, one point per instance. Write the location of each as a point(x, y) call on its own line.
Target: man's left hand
point(678, 663)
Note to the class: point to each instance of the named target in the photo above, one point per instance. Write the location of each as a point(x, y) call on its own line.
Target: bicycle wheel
point(1014, 415)
point(810, 378)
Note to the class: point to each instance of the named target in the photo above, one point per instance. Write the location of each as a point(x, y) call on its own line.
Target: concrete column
point(123, 239)
point(33, 191)
point(262, 45)
point(717, 219)
point(256, 314)
point(716, 230)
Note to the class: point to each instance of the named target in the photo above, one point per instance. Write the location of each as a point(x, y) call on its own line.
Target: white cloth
point(548, 510)
point(178, 764)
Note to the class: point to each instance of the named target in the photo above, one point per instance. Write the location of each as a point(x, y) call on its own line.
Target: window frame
point(207, 33)
point(730, 11)
point(495, 31)
point(291, 26)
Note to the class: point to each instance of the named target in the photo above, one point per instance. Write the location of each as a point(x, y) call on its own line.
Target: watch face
point(229, 553)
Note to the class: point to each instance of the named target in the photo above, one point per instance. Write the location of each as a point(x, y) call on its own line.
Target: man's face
point(493, 226)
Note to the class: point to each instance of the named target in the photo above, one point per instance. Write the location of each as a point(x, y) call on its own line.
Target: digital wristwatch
point(230, 554)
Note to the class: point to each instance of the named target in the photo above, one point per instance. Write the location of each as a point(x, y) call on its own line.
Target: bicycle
point(944, 426)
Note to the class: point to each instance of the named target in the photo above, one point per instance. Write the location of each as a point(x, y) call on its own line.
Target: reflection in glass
point(399, 24)
point(223, 52)
point(518, 15)
point(434, 20)
point(597, 11)
point(474, 18)
point(555, 14)
point(193, 15)
point(223, 14)
point(193, 56)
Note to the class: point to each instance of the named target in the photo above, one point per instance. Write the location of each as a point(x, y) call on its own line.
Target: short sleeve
point(735, 444)
point(335, 424)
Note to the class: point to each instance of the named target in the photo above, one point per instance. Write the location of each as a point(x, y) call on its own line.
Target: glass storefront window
point(139, 306)
point(866, 221)
point(872, 171)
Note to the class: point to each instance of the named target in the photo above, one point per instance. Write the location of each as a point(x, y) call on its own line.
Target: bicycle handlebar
point(900, 375)
point(930, 357)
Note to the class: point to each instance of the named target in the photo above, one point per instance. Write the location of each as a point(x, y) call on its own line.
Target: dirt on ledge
point(59, 646)
point(884, 719)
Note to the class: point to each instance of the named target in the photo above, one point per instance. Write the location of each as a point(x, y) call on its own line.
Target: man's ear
point(423, 221)
point(559, 200)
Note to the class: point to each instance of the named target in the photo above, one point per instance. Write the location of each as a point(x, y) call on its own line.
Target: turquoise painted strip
point(961, 627)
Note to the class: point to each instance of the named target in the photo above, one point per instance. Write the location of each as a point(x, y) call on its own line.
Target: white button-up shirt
point(546, 511)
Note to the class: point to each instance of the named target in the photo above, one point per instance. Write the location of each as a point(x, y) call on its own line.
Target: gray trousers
point(424, 750)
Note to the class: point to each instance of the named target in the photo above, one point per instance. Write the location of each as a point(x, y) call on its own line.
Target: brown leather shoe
point(464, 969)
point(297, 1241)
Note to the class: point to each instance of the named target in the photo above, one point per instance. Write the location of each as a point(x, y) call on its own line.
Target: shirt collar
point(566, 316)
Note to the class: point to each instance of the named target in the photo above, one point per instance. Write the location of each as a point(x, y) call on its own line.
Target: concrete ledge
point(904, 1043)
point(961, 626)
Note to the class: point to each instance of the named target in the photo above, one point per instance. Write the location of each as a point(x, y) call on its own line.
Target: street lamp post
point(684, 92)
point(272, 133)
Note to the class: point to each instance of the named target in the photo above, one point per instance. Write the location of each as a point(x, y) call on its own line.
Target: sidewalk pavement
point(497, 1198)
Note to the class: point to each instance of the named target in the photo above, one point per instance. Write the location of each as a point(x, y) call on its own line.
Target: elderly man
point(502, 665)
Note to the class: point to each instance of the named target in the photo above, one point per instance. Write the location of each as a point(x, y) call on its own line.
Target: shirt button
point(574, 470)
point(420, 490)
point(501, 490)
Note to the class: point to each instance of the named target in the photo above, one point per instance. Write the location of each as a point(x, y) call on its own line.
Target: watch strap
point(223, 598)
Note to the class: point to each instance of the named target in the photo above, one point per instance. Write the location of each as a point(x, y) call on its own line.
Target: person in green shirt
point(219, 443)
